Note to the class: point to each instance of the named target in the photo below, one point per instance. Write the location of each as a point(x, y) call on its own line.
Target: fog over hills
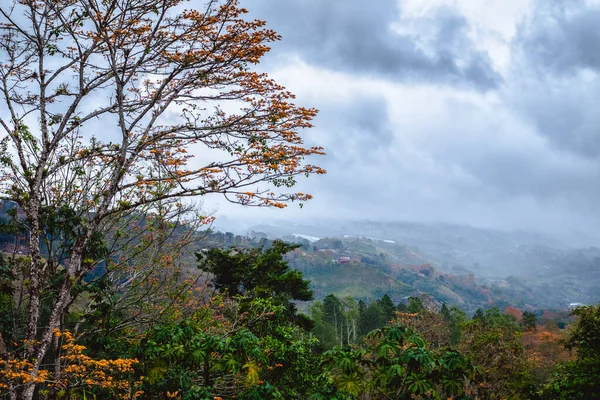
point(462, 265)
point(485, 252)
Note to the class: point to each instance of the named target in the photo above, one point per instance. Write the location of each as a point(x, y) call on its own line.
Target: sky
point(481, 112)
point(459, 111)
point(474, 112)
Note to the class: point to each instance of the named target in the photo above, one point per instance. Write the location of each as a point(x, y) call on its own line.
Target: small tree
point(106, 103)
point(333, 314)
point(387, 305)
point(585, 337)
point(371, 318)
point(258, 273)
point(415, 305)
point(529, 321)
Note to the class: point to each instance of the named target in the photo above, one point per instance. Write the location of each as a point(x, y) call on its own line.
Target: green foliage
point(402, 307)
point(325, 332)
point(372, 317)
point(333, 311)
point(387, 306)
point(491, 341)
point(579, 379)
point(585, 336)
point(204, 358)
point(336, 321)
point(294, 364)
point(415, 305)
point(184, 357)
point(7, 278)
point(529, 321)
point(256, 272)
point(396, 363)
point(478, 316)
point(575, 380)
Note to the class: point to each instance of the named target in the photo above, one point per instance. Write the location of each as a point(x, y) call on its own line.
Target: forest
point(229, 328)
point(118, 118)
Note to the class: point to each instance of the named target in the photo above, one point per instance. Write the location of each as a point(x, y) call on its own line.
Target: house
point(573, 306)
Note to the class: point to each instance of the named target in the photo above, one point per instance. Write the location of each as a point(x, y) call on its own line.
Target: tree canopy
point(106, 105)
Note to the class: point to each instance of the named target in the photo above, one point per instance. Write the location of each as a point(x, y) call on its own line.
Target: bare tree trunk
point(63, 299)
point(57, 365)
point(29, 392)
point(12, 393)
point(35, 270)
point(348, 333)
point(341, 332)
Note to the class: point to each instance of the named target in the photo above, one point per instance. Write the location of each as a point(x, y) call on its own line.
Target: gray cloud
point(563, 110)
point(555, 83)
point(354, 130)
point(562, 36)
point(468, 163)
point(525, 153)
point(357, 37)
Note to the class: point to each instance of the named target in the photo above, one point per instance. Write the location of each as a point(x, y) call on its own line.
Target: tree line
point(239, 335)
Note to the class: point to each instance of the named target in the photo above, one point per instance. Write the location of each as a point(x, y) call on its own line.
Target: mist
point(444, 112)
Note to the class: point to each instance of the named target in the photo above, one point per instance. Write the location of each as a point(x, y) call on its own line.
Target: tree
point(433, 327)
point(545, 349)
point(514, 312)
point(585, 336)
point(167, 77)
point(184, 357)
point(491, 341)
point(387, 305)
point(80, 374)
point(258, 273)
point(333, 314)
point(402, 307)
point(371, 318)
point(529, 320)
point(479, 316)
point(415, 305)
point(445, 312)
point(323, 330)
point(577, 379)
point(146, 279)
point(456, 317)
point(351, 316)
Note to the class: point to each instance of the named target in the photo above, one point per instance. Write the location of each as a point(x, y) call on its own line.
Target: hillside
point(461, 265)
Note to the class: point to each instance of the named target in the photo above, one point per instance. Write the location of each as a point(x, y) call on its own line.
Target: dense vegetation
point(236, 333)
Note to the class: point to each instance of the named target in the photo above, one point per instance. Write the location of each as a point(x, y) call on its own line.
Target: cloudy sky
point(480, 112)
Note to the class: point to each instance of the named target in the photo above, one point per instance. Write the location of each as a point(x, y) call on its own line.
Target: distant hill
point(485, 252)
point(466, 266)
